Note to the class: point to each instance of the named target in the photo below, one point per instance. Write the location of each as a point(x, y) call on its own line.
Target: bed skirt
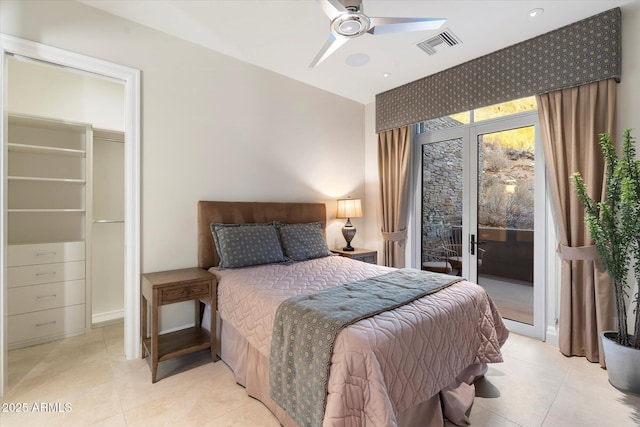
point(251, 370)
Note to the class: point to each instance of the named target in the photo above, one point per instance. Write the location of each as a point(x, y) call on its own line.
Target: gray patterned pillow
point(243, 245)
point(301, 242)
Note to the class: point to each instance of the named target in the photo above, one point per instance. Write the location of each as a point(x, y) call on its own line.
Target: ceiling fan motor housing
point(351, 24)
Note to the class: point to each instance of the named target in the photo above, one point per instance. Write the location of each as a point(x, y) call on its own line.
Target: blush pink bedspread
point(383, 365)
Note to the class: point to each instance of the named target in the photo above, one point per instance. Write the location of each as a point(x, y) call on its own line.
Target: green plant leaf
point(614, 224)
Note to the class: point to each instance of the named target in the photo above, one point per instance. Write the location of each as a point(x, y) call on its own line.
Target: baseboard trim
point(42, 340)
point(107, 316)
point(552, 337)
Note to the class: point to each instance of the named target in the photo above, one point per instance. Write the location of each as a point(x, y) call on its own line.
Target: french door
point(481, 202)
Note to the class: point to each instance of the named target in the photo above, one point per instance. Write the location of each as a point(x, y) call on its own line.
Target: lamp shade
point(349, 208)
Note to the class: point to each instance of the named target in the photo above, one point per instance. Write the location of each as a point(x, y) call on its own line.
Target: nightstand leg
point(154, 338)
point(198, 313)
point(143, 324)
point(213, 328)
point(213, 336)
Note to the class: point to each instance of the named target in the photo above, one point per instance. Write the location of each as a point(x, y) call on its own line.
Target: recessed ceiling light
point(357, 60)
point(533, 13)
point(385, 75)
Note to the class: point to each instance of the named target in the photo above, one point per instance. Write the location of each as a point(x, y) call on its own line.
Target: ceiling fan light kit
point(350, 22)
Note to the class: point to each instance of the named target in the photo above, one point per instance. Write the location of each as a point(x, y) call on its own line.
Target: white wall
point(213, 128)
point(57, 93)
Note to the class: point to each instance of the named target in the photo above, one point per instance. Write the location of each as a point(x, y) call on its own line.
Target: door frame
point(130, 77)
point(468, 133)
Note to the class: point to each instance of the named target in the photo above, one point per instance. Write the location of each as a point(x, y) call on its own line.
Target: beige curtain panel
point(394, 149)
point(570, 122)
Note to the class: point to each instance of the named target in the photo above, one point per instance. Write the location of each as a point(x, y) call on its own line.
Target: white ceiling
point(285, 36)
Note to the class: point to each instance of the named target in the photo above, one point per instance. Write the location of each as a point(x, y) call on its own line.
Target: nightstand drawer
point(358, 254)
point(178, 293)
point(372, 259)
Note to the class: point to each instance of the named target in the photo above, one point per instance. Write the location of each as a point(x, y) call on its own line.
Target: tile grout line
point(113, 379)
point(555, 397)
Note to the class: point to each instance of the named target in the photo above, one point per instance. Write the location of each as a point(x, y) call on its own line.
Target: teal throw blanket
point(306, 326)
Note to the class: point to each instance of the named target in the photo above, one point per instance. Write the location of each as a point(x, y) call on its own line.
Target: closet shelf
point(48, 204)
point(45, 210)
point(38, 179)
point(25, 148)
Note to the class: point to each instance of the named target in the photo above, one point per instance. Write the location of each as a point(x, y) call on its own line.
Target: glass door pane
point(505, 220)
point(442, 199)
point(478, 183)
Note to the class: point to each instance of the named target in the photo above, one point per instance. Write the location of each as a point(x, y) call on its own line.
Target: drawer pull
point(46, 253)
point(53, 322)
point(46, 296)
point(46, 273)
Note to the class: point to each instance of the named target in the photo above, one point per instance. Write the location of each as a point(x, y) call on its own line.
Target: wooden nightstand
point(364, 255)
point(168, 287)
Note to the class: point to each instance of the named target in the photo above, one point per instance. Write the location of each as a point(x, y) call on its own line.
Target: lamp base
point(348, 232)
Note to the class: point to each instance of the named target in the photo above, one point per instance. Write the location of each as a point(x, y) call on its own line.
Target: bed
point(410, 366)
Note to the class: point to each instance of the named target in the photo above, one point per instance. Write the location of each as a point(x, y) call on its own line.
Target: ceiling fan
point(349, 21)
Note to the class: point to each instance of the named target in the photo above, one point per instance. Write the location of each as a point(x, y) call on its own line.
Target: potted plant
point(614, 225)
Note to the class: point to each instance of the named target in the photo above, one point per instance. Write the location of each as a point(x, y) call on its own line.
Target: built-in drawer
point(46, 273)
point(45, 253)
point(27, 299)
point(46, 323)
point(179, 293)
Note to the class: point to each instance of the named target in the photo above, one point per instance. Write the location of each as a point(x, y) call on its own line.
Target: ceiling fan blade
point(329, 47)
point(403, 25)
point(332, 8)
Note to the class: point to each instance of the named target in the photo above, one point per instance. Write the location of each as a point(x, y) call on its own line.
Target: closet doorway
point(122, 181)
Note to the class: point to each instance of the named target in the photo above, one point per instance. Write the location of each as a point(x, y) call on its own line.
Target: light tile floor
point(535, 386)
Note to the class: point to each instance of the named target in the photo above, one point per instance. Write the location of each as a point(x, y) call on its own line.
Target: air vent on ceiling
point(445, 38)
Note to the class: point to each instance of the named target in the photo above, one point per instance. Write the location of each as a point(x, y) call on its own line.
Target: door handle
point(473, 242)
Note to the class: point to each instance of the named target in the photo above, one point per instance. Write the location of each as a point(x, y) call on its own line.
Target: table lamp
point(349, 208)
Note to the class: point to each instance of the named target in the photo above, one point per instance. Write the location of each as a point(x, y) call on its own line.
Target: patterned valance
point(579, 53)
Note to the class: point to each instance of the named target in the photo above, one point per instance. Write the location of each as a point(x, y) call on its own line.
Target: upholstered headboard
point(248, 212)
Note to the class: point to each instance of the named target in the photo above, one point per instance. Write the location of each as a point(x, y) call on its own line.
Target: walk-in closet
point(65, 194)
